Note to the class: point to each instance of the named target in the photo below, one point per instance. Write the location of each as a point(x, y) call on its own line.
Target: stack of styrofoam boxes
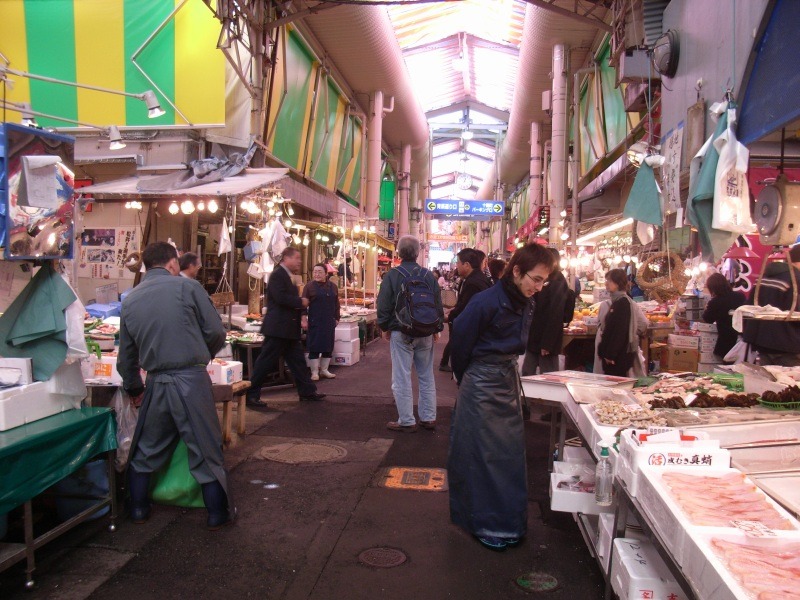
point(224, 372)
point(346, 344)
point(707, 336)
point(665, 448)
point(605, 534)
point(637, 571)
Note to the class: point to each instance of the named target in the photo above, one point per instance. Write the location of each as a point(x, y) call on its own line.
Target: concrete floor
point(302, 539)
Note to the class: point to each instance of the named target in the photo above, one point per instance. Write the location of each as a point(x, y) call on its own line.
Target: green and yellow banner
point(93, 41)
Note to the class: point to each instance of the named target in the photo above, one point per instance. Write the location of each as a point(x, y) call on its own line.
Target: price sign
point(754, 529)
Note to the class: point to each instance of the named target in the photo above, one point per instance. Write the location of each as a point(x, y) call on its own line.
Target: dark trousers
point(446, 352)
point(267, 362)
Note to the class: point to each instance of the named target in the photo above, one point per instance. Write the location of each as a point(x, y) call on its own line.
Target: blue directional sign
point(473, 210)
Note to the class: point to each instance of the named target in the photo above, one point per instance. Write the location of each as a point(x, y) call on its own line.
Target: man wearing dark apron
point(170, 329)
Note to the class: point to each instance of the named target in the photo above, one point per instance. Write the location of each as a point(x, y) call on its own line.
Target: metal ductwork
point(361, 43)
point(542, 30)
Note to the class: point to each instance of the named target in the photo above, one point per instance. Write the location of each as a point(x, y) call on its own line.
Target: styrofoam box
point(346, 331)
point(707, 341)
point(577, 454)
point(24, 366)
point(106, 368)
point(704, 327)
point(745, 433)
point(702, 453)
point(27, 403)
point(709, 358)
point(574, 502)
point(605, 534)
point(345, 360)
point(592, 431)
point(667, 517)
point(342, 347)
point(691, 342)
point(709, 575)
point(227, 373)
point(637, 571)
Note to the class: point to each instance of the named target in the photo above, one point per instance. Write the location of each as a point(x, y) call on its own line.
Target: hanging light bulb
point(325, 238)
point(563, 213)
point(244, 205)
point(617, 259)
point(270, 204)
point(372, 228)
point(565, 236)
point(703, 266)
point(201, 205)
point(287, 223)
point(695, 271)
point(635, 260)
point(306, 240)
point(291, 211)
point(127, 205)
point(174, 209)
point(357, 228)
point(318, 236)
point(626, 258)
point(187, 207)
point(687, 272)
point(271, 212)
point(563, 263)
point(296, 238)
point(212, 206)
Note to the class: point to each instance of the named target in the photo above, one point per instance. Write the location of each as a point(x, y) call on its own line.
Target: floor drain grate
point(382, 558)
point(296, 452)
point(413, 478)
point(537, 582)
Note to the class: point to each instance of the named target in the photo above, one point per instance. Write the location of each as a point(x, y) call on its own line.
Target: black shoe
point(138, 488)
point(216, 501)
point(312, 397)
point(256, 403)
point(140, 515)
point(446, 368)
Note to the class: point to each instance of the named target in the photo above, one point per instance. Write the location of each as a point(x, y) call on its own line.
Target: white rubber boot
point(324, 372)
point(314, 364)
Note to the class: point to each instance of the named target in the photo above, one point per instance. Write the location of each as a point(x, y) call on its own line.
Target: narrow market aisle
point(302, 526)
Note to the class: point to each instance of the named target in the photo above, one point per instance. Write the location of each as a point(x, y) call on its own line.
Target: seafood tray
point(670, 519)
point(784, 489)
point(727, 564)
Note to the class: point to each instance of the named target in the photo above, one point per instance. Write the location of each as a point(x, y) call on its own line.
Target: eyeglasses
point(537, 280)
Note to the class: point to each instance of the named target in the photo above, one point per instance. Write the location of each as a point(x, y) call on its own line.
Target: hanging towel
point(643, 203)
point(35, 326)
point(224, 238)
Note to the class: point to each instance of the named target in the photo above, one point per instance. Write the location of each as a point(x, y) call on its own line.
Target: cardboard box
point(349, 347)
point(679, 359)
point(683, 341)
point(345, 360)
point(346, 331)
point(23, 365)
point(638, 571)
point(704, 327)
point(224, 372)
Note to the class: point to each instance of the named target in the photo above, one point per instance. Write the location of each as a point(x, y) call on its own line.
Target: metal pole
point(560, 138)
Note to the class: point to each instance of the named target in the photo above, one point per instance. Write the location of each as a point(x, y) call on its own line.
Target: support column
point(404, 190)
point(374, 143)
point(560, 139)
point(535, 189)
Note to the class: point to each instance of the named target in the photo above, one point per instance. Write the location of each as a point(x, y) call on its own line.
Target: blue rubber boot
point(138, 487)
point(216, 501)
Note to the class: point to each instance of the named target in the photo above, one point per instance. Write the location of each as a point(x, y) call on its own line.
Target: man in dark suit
point(281, 330)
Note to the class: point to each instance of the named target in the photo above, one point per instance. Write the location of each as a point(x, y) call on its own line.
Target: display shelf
point(590, 534)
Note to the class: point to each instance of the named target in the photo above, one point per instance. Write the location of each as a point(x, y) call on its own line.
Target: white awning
point(238, 185)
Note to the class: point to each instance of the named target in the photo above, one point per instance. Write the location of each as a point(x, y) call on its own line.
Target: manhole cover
point(296, 452)
point(537, 582)
point(413, 478)
point(383, 558)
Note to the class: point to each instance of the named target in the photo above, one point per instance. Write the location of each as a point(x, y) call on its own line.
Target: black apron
point(180, 403)
point(322, 319)
point(486, 466)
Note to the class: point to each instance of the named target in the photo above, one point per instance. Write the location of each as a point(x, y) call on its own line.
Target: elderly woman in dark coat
point(486, 466)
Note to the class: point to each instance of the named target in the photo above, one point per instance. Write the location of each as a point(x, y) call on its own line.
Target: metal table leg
point(562, 431)
point(554, 411)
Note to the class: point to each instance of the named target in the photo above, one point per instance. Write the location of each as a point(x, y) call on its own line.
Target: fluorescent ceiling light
point(584, 240)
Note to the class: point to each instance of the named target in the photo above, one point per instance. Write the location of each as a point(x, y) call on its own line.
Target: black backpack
point(415, 307)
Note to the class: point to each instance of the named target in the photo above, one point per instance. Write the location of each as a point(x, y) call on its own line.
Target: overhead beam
point(572, 14)
point(471, 104)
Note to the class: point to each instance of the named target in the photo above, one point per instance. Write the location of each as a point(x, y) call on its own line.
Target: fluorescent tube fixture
point(584, 240)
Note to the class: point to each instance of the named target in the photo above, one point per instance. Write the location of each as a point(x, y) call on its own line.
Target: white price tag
point(632, 408)
point(689, 399)
point(754, 529)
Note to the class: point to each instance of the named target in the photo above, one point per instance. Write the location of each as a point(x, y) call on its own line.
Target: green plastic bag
point(174, 484)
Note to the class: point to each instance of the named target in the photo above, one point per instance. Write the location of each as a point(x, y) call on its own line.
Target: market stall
point(703, 467)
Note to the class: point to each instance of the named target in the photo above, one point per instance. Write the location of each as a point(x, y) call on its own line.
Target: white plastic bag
point(127, 415)
point(224, 238)
point(731, 191)
point(76, 340)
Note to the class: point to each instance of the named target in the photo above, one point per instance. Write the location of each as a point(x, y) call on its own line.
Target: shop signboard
point(473, 210)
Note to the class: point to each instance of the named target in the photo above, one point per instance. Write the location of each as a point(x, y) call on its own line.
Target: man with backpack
point(411, 316)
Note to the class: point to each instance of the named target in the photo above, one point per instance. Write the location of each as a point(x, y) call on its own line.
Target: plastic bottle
point(604, 478)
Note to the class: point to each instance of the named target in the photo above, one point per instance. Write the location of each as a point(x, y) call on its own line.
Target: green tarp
point(35, 456)
point(643, 203)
